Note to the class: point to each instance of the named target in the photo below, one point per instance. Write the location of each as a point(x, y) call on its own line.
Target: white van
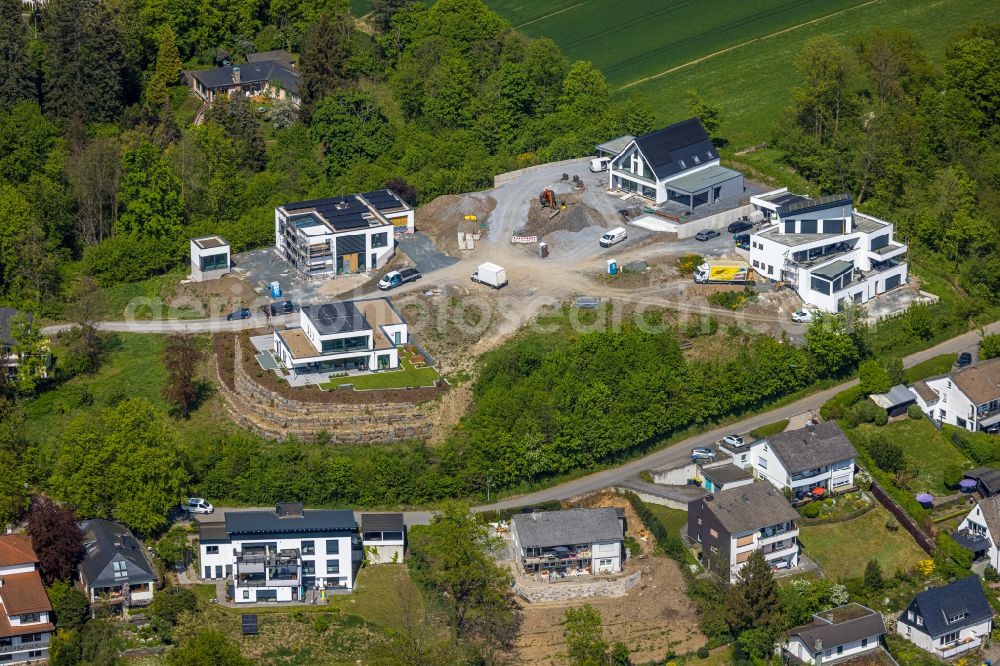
point(616, 235)
point(599, 164)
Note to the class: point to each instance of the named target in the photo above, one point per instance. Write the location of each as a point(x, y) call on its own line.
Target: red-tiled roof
point(23, 593)
point(16, 549)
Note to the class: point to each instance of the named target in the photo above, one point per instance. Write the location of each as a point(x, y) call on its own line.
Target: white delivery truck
point(599, 164)
point(614, 236)
point(490, 274)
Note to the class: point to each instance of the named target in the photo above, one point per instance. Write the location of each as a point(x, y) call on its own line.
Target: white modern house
point(731, 524)
point(383, 537)
point(570, 541)
point(968, 398)
point(979, 530)
point(26, 622)
point(362, 335)
point(835, 635)
point(280, 555)
point(817, 456)
point(949, 620)
point(340, 235)
point(674, 164)
point(829, 253)
point(210, 258)
point(115, 570)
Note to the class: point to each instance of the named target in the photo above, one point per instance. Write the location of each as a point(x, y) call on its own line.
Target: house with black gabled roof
point(115, 569)
point(949, 620)
point(677, 163)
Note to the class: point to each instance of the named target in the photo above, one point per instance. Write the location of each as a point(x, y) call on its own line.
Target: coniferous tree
point(83, 61)
point(167, 71)
point(753, 599)
point(873, 576)
point(325, 53)
point(15, 67)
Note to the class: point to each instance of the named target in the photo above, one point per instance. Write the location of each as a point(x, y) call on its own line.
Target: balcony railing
point(952, 649)
point(553, 556)
point(33, 645)
point(779, 552)
point(270, 558)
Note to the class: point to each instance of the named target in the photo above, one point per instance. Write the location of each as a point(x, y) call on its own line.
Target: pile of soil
point(212, 297)
point(577, 216)
point(443, 218)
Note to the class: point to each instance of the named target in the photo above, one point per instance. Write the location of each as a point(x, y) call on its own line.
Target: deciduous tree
point(873, 377)
point(56, 539)
point(70, 605)
point(180, 357)
point(708, 114)
point(207, 647)
point(989, 347)
point(150, 196)
point(352, 127)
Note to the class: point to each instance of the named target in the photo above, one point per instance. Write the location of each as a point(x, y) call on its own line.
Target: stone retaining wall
point(564, 590)
point(274, 416)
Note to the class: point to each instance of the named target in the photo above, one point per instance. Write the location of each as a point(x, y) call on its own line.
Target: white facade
point(210, 258)
point(25, 628)
point(767, 465)
point(800, 651)
point(630, 172)
point(945, 647)
point(954, 406)
point(346, 336)
point(536, 549)
point(976, 526)
point(383, 537)
point(341, 235)
point(276, 563)
point(828, 253)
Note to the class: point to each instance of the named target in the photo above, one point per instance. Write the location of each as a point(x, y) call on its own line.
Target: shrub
point(866, 411)
point(990, 574)
point(703, 652)
point(914, 412)
point(952, 474)
point(811, 510)
point(689, 262)
point(837, 406)
point(127, 258)
point(887, 456)
point(892, 524)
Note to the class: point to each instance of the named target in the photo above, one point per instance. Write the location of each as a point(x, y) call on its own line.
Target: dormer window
point(696, 160)
point(952, 619)
point(920, 621)
point(683, 165)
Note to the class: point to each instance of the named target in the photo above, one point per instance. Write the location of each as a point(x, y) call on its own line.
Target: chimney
point(236, 75)
point(818, 660)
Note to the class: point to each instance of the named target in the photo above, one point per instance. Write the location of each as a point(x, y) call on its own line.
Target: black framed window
point(308, 547)
point(333, 546)
point(380, 240)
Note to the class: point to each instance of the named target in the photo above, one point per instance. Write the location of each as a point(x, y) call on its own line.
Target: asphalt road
point(675, 452)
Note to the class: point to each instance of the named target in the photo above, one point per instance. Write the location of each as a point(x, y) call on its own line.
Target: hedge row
point(672, 544)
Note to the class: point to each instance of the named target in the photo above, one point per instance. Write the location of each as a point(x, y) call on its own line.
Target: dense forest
point(101, 175)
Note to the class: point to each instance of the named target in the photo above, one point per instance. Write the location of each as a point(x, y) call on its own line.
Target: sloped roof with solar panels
point(348, 212)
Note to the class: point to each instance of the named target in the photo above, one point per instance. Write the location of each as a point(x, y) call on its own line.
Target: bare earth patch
point(443, 218)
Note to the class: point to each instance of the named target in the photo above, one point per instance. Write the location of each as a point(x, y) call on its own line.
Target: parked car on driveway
point(738, 226)
point(964, 359)
point(803, 316)
point(706, 234)
point(733, 440)
point(702, 453)
point(393, 279)
point(242, 313)
point(279, 308)
point(197, 505)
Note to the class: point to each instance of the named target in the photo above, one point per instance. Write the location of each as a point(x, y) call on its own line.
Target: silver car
point(197, 505)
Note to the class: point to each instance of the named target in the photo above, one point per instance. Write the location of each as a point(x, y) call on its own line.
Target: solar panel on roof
point(249, 621)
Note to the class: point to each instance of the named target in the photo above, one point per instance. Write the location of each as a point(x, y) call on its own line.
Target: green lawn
point(770, 429)
point(133, 368)
point(672, 519)
point(939, 365)
point(409, 376)
point(843, 549)
point(927, 450)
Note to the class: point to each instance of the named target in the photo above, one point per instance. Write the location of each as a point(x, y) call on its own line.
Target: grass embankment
point(928, 451)
point(865, 538)
point(769, 429)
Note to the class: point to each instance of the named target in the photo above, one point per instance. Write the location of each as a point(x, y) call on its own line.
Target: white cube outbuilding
point(210, 258)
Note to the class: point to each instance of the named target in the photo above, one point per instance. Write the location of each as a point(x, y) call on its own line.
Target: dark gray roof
point(936, 604)
point(268, 522)
point(989, 477)
point(277, 55)
point(212, 532)
point(109, 542)
point(544, 529)
point(385, 200)
point(724, 474)
point(685, 494)
point(381, 522)
point(797, 208)
point(339, 317)
point(971, 542)
point(811, 447)
point(786, 199)
point(750, 507)
point(350, 211)
point(857, 622)
point(899, 395)
point(834, 269)
point(251, 72)
point(676, 148)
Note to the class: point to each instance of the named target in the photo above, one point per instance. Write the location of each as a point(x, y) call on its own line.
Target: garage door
point(893, 282)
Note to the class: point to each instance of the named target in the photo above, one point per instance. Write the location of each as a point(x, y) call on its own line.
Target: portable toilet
point(543, 250)
point(275, 290)
point(612, 266)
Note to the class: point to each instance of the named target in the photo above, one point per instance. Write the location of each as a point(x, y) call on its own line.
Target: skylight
point(120, 568)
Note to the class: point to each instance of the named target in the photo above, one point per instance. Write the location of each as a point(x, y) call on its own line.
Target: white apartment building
point(340, 235)
point(731, 524)
point(949, 620)
point(26, 622)
point(818, 456)
point(968, 398)
point(826, 251)
point(678, 163)
point(362, 335)
point(569, 541)
point(280, 555)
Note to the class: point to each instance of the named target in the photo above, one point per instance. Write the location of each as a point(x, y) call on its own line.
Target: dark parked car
point(964, 359)
point(706, 234)
point(742, 240)
point(242, 313)
point(279, 308)
point(738, 226)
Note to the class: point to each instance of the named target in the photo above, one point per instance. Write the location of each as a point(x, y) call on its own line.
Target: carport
point(701, 187)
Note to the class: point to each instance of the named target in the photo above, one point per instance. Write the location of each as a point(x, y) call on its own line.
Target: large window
point(333, 547)
point(833, 226)
point(211, 550)
point(807, 226)
point(120, 569)
point(345, 344)
point(214, 262)
point(308, 547)
point(29, 618)
point(380, 240)
point(789, 226)
point(949, 638)
point(332, 567)
point(820, 285)
point(880, 241)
